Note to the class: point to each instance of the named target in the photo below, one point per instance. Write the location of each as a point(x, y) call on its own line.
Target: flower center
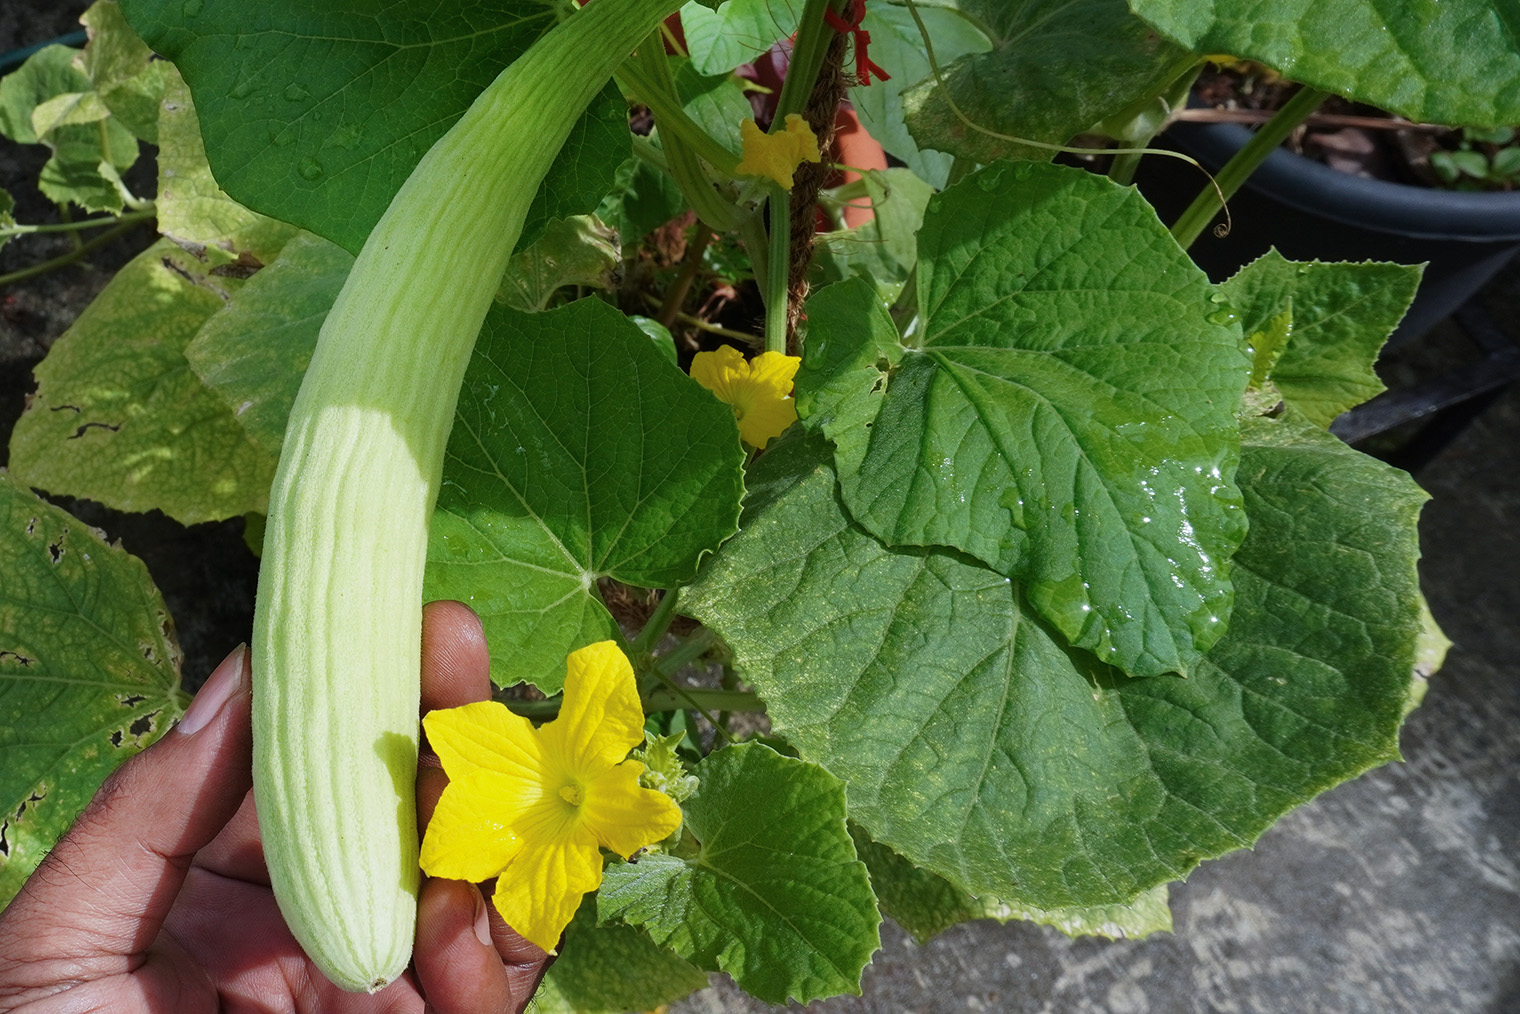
point(572, 793)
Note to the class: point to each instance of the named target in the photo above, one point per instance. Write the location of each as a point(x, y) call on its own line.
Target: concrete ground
point(1397, 892)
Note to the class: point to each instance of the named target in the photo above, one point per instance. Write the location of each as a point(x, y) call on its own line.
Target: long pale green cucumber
point(337, 629)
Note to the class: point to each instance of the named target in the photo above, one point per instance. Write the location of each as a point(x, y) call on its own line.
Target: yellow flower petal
point(538, 893)
point(484, 736)
point(601, 718)
point(759, 391)
point(625, 817)
point(778, 154)
point(470, 836)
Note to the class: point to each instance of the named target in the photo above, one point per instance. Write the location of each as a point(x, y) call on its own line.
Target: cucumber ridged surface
point(337, 626)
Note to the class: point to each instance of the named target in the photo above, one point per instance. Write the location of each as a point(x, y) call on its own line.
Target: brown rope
point(822, 106)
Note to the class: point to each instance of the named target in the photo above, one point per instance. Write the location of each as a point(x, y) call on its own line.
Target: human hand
point(158, 900)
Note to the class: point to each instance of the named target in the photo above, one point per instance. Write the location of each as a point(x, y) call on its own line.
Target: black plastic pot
point(1309, 211)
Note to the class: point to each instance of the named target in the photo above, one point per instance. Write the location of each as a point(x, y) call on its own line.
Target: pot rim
point(1379, 205)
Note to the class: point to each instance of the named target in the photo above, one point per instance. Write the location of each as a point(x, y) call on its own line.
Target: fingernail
point(482, 921)
point(218, 689)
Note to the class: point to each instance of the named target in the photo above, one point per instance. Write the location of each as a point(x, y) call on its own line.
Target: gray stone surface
point(1397, 892)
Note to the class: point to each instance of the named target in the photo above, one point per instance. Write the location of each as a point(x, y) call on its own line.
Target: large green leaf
point(89, 672)
point(774, 895)
point(578, 452)
point(735, 31)
point(926, 904)
point(1056, 67)
point(316, 112)
point(1442, 61)
point(1337, 317)
point(192, 210)
point(119, 416)
point(254, 352)
point(611, 969)
point(80, 144)
point(979, 746)
point(898, 48)
point(1066, 413)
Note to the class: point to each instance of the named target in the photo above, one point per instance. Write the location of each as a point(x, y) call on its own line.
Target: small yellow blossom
point(777, 154)
point(759, 390)
point(534, 805)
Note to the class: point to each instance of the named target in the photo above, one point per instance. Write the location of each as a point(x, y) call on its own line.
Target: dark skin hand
point(157, 900)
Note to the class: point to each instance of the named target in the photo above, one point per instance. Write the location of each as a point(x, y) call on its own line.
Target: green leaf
point(73, 174)
point(7, 214)
point(89, 672)
point(1039, 423)
point(316, 114)
point(979, 746)
point(1456, 61)
point(254, 351)
point(1056, 67)
point(716, 103)
point(1339, 316)
point(884, 249)
point(192, 210)
point(578, 452)
point(642, 197)
point(736, 31)
point(119, 416)
point(774, 896)
point(926, 905)
point(69, 109)
point(122, 70)
point(898, 48)
point(572, 251)
point(612, 969)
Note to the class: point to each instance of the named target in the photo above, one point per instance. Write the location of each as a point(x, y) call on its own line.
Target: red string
point(864, 67)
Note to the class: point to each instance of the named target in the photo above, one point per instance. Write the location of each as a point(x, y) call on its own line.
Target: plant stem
point(658, 622)
point(692, 320)
point(689, 650)
point(778, 271)
point(1244, 162)
point(808, 50)
point(690, 265)
point(1122, 170)
point(88, 223)
point(63, 260)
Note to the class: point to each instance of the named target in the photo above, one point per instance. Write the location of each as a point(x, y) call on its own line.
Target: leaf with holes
point(578, 452)
point(89, 672)
point(1038, 421)
point(979, 746)
point(1453, 61)
point(315, 114)
point(774, 894)
point(120, 417)
point(192, 210)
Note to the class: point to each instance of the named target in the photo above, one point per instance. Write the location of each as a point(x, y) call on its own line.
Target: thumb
point(108, 884)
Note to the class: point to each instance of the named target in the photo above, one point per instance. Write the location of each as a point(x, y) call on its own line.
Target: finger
point(430, 783)
point(525, 961)
point(105, 888)
point(457, 965)
point(237, 852)
point(456, 665)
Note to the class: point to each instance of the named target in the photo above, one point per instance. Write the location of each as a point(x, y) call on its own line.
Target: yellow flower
point(533, 805)
point(759, 390)
point(778, 154)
